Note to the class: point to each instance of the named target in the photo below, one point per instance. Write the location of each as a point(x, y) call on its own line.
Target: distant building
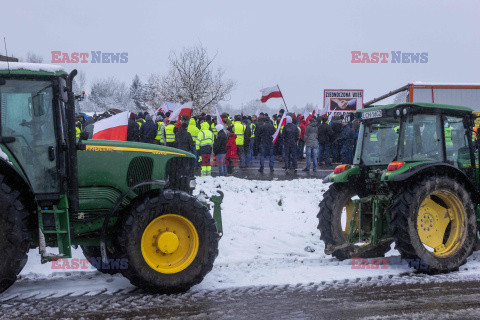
point(9, 59)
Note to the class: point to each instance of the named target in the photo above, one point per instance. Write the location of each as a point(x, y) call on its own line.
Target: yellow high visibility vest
point(252, 128)
point(159, 136)
point(213, 129)
point(448, 136)
point(169, 134)
point(140, 122)
point(204, 138)
point(239, 130)
point(78, 131)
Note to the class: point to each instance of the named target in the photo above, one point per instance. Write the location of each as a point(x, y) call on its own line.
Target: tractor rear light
point(395, 165)
point(340, 168)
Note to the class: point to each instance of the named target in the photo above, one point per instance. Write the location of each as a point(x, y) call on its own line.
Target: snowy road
point(271, 264)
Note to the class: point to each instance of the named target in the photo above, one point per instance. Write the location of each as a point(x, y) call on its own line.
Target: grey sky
point(304, 46)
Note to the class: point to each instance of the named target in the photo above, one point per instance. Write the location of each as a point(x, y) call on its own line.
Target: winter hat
point(219, 127)
point(289, 119)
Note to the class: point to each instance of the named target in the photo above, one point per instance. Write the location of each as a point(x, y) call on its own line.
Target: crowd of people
point(239, 140)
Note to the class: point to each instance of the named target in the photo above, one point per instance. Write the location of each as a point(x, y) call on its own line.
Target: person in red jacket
point(231, 157)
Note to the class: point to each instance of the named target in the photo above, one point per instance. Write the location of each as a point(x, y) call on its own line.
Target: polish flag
point(113, 128)
point(168, 106)
point(271, 92)
point(183, 110)
point(310, 116)
point(282, 123)
point(219, 118)
point(306, 114)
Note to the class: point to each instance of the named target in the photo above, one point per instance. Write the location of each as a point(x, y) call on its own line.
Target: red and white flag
point(183, 110)
point(271, 92)
point(113, 128)
point(310, 116)
point(219, 118)
point(306, 114)
point(168, 106)
point(283, 122)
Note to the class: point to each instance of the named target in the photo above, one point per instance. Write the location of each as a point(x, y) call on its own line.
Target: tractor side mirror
point(38, 105)
point(63, 89)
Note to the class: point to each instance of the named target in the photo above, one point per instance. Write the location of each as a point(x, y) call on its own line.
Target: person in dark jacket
point(264, 135)
point(345, 140)
point(290, 136)
point(89, 127)
point(133, 133)
point(220, 149)
point(337, 129)
point(311, 143)
point(148, 131)
point(325, 136)
point(183, 139)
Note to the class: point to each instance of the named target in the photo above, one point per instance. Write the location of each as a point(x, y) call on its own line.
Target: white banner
point(341, 101)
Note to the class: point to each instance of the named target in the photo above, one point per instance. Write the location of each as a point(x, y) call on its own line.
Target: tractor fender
point(103, 235)
point(439, 168)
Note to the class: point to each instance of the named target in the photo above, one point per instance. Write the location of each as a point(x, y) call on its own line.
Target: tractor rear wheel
point(433, 224)
point(170, 241)
point(334, 217)
point(15, 236)
point(94, 256)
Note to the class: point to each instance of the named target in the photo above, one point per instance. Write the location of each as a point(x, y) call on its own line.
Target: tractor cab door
point(457, 147)
point(27, 115)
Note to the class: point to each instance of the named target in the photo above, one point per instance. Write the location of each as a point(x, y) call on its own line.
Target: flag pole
point(282, 97)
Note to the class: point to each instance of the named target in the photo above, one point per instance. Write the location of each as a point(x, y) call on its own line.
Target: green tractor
point(128, 205)
point(414, 181)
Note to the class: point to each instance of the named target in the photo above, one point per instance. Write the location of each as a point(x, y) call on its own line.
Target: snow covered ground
point(270, 238)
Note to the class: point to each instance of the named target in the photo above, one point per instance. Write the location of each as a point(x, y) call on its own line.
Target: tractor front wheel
point(15, 237)
point(170, 242)
point(335, 216)
point(433, 224)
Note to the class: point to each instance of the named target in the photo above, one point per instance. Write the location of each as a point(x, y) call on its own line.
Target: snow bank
point(30, 66)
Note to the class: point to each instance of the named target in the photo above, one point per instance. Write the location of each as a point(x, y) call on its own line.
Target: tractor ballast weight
point(118, 201)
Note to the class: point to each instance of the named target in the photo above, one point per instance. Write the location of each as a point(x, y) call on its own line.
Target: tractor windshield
point(379, 143)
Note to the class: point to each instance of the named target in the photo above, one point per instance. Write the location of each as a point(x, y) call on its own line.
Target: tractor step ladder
point(61, 229)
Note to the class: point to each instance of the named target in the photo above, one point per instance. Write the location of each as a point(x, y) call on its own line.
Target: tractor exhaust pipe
point(72, 146)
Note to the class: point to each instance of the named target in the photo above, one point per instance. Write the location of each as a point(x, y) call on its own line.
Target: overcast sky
point(304, 46)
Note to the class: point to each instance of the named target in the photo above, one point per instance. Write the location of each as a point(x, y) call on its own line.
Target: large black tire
point(404, 224)
point(133, 226)
point(15, 235)
point(94, 256)
point(330, 225)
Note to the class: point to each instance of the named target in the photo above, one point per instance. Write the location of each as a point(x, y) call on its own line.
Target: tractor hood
point(127, 146)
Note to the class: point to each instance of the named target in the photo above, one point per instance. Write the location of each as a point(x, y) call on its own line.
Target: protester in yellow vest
point(204, 146)
point(160, 138)
point(213, 127)
point(170, 131)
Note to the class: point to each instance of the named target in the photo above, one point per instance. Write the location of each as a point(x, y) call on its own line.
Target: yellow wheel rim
point(441, 223)
point(348, 207)
point(170, 243)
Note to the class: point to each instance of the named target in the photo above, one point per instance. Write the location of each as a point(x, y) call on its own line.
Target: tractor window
point(421, 139)
point(27, 115)
point(379, 143)
point(456, 144)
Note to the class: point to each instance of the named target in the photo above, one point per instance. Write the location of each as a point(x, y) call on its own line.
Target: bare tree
point(79, 82)
point(192, 77)
point(33, 57)
point(110, 93)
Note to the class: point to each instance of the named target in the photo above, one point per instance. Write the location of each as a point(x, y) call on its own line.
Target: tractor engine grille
point(179, 172)
point(140, 170)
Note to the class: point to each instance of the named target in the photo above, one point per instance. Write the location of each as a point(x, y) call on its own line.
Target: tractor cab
point(395, 136)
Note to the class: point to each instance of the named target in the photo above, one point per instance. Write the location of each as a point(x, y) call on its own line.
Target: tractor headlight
point(397, 112)
point(405, 111)
point(192, 184)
